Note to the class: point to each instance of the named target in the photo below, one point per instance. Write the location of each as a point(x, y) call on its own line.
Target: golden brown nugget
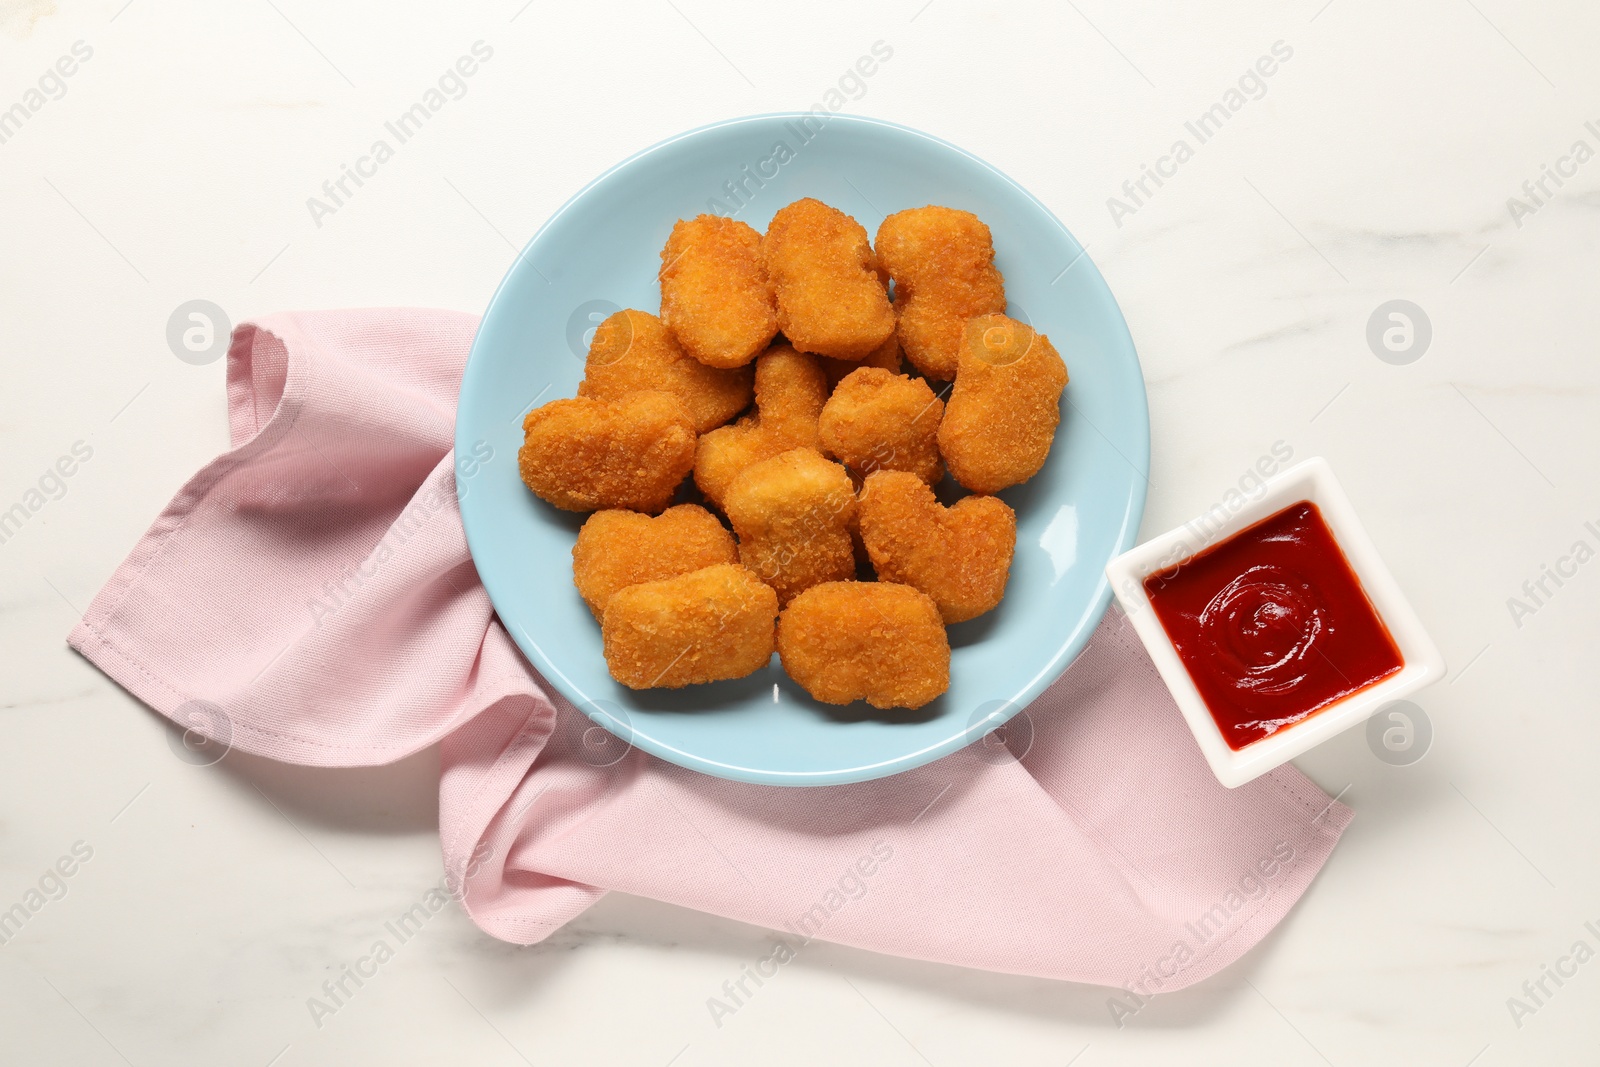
point(616, 549)
point(873, 641)
point(633, 350)
point(831, 298)
point(876, 420)
point(790, 391)
point(705, 626)
point(715, 295)
point(960, 555)
point(1002, 414)
point(886, 356)
point(942, 262)
point(793, 514)
point(582, 454)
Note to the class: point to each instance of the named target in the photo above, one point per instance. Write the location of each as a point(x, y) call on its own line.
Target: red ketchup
point(1272, 625)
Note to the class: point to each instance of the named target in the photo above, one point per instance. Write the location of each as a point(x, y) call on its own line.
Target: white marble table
point(174, 163)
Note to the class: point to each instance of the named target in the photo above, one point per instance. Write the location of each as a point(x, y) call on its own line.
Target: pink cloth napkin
point(308, 596)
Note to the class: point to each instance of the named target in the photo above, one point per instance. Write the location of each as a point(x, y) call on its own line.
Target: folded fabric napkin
point(309, 596)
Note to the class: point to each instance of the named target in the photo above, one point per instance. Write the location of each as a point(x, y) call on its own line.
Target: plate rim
point(1071, 648)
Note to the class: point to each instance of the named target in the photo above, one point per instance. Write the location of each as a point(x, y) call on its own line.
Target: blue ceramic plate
point(600, 252)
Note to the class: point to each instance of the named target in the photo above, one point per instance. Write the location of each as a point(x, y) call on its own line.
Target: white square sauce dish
point(1276, 626)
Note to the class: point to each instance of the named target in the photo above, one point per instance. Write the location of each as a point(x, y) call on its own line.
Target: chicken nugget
point(886, 356)
point(793, 515)
point(960, 555)
point(942, 262)
point(632, 350)
point(876, 420)
point(705, 626)
point(616, 549)
point(790, 391)
point(873, 641)
point(715, 295)
point(831, 299)
point(582, 454)
point(1002, 414)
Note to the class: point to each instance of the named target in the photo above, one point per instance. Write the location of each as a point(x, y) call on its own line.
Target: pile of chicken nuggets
point(776, 377)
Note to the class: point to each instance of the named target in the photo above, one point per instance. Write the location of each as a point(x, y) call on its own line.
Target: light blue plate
point(601, 251)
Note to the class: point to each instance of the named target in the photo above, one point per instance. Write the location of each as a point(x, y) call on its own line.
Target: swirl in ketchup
point(1273, 625)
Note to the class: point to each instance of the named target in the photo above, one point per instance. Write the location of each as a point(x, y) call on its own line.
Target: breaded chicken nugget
point(790, 391)
point(616, 549)
point(793, 515)
point(873, 641)
point(876, 420)
point(960, 555)
point(886, 357)
point(632, 452)
point(942, 262)
point(1006, 404)
point(831, 298)
point(715, 296)
point(632, 350)
point(704, 626)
